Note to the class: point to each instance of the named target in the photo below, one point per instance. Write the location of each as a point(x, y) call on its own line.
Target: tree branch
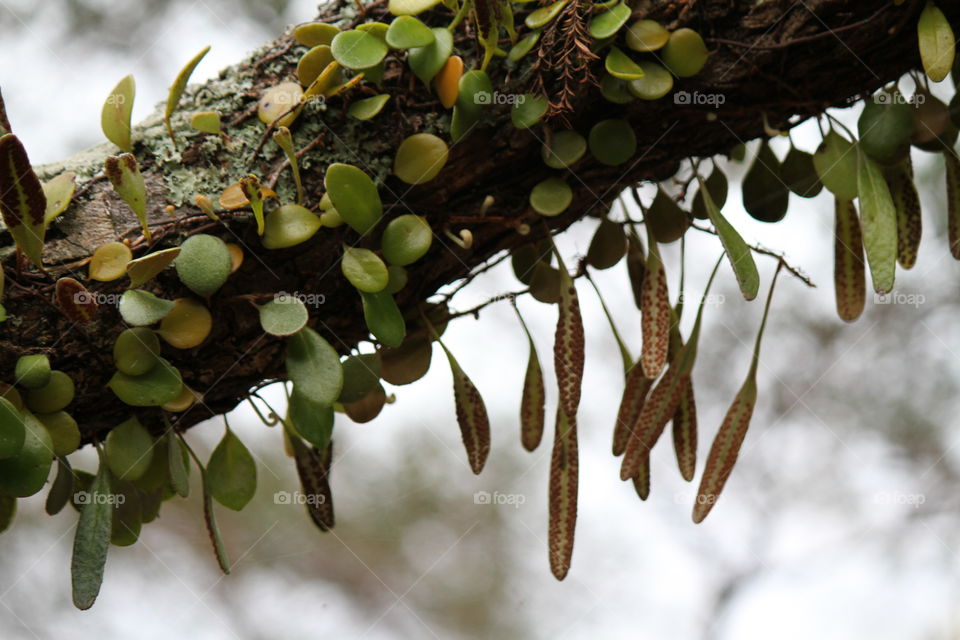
point(790, 61)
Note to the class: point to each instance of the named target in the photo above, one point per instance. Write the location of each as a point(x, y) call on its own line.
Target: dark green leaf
point(62, 488)
point(232, 473)
point(92, 540)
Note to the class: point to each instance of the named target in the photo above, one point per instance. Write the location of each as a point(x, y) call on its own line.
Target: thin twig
point(800, 275)
point(469, 278)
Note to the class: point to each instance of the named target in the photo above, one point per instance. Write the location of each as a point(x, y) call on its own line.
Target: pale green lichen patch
point(233, 91)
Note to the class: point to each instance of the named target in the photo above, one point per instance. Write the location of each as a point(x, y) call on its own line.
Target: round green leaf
point(540, 17)
point(283, 316)
point(289, 225)
point(410, 7)
point(354, 195)
point(127, 518)
point(797, 172)
point(608, 246)
point(528, 110)
point(136, 351)
point(368, 107)
point(11, 429)
point(25, 473)
point(406, 32)
point(685, 53)
point(203, 264)
point(160, 385)
point(406, 239)
point(545, 283)
point(368, 407)
point(717, 186)
point(361, 375)
point(53, 396)
point(364, 269)
point(32, 372)
point(664, 218)
point(398, 279)
point(420, 158)
point(615, 90)
point(206, 122)
point(565, 148)
point(836, 163)
point(312, 34)
point(277, 100)
point(523, 46)
point(655, 83)
point(129, 450)
point(885, 127)
point(312, 64)
point(427, 61)
point(145, 268)
point(63, 430)
point(140, 308)
point(619, 65)
point(314, 366)
point(476, 92)
point(407, 363)
point(646, 35)
point(612, 141)
point(378, 29)
point(61, 489)
point(311, 421)
point(551, 197)
point(232, 473)
point(358, 49)
point(765, 196)
point(383, 318)
point(109, 261)
point(606, 24)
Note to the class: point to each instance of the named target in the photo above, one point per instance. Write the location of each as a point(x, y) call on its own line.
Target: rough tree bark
point(786, 59)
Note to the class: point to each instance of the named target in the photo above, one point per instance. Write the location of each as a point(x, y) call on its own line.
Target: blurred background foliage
point(840, 520)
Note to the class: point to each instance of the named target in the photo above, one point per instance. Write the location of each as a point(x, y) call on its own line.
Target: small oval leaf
point(232, 473)
point(92, 540)
point(129, 450)
point(115, 115)
point(314, 366)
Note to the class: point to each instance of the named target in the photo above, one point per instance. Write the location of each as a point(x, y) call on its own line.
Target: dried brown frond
point(562, 70)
